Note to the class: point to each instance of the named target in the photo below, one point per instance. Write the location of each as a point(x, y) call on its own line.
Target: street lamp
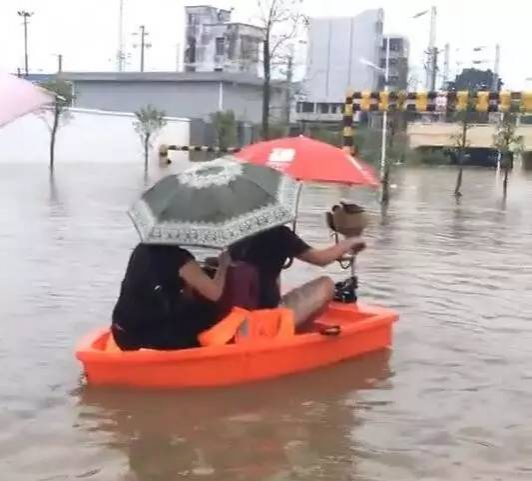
point(25, 15)
point(384, 70)
point(432, 50)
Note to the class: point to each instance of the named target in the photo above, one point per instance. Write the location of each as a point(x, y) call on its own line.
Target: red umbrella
point(309, 160)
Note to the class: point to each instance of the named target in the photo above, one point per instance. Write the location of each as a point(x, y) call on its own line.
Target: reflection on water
point(269, 429)
point(456, 406)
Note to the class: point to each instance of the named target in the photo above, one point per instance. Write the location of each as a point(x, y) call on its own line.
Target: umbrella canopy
point(310, 160)
point(19, 97)
point(214, 204)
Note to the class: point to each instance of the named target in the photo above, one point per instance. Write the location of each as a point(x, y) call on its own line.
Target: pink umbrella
point(19, 97)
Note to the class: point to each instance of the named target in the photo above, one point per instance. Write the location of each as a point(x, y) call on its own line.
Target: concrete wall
point(335, 48)
point(89, 136)
point(440, 134)
point(180, 99)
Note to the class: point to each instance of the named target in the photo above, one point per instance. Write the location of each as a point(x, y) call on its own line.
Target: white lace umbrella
point(19, 97)
point(215, 204)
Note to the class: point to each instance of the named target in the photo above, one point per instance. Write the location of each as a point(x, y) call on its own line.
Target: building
point(193, 95)
point(180, 94)
point(336, 47)
point(214, 43)
point(398, 62)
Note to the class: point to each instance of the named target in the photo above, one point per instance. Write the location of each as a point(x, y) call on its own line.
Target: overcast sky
point(86, 32)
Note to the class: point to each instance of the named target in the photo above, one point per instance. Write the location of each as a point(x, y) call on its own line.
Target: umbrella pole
point(297, 206)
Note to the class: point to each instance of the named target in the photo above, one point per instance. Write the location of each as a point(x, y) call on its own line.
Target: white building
point(336, 45)
point(214, 43)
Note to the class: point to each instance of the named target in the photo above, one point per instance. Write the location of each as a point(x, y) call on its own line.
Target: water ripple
point(450, 402)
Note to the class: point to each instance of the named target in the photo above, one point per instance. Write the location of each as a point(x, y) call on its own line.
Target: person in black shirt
point(268, 253)
point(164, 299)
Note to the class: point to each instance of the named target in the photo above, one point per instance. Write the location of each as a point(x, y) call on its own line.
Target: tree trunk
point(385, 193)
point(507, 165)
point(53, 135)
point(505, 181)
point(458, 187)
point(266, 89)
point(146, 151)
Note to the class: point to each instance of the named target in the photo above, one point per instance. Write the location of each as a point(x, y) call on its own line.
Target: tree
point(280, 21)
point(475, 79)
point(149, 122)
point(58, 114)
point(508, 143)
point(225, 127)
point(461, 143)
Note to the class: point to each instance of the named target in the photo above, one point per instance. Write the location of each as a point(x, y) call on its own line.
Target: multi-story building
point(397, 64)
point(214, 43)
point(337, 51)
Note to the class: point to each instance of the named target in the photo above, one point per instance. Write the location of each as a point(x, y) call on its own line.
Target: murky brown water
point(452, 402)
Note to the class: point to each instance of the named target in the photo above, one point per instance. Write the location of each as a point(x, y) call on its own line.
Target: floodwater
point(452, 401)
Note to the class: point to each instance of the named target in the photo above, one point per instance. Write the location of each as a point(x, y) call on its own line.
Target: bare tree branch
point(282, 15)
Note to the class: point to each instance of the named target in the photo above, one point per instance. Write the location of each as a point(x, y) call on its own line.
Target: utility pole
point(143, 45)
point(385, 113)
point(495, 84)
point(25, 15)
point(432, 51)
point(59, 63)
point(434, 69)
point(289, 77)
point(120, 55)
point(446, 62)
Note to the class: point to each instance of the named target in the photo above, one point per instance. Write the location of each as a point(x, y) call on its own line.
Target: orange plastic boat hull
point(364, 329)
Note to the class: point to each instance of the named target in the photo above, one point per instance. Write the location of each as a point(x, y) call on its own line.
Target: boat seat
point(241, 325)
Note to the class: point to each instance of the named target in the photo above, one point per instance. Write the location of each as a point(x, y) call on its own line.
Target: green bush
point(225, 128)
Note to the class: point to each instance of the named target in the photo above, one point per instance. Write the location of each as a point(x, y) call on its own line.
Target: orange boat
point(344, 331)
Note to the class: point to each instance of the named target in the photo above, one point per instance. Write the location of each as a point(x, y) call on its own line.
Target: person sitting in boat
point(164, 299)
point(268, 252)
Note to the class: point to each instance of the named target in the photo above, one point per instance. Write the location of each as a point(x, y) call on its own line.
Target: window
point(395, 45)
point(323, 108)
point(307, 108)
point(220, 46)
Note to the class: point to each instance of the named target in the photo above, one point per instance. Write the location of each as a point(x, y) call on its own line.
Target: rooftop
point(208, 77)
point(225, 77)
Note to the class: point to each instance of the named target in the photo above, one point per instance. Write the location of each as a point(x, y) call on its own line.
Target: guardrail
point(445, 101)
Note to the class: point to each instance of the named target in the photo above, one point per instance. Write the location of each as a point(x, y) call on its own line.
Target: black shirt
point(152, 310)
point(268, 252)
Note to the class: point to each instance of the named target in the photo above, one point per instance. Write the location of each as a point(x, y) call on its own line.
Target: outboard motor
point(349, 220)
